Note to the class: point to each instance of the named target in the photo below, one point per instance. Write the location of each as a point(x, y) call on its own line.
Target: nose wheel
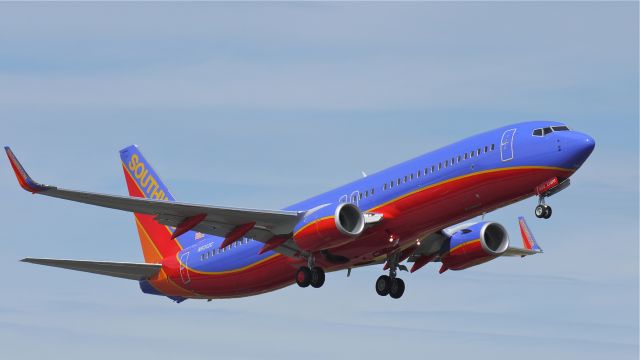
point(543, 211)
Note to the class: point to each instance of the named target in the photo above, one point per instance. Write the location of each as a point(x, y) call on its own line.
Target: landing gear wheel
point(303, 277)
point(397, 288)
point(383, 285)
point(540, 211)
point(547, 212)
point(317, 277)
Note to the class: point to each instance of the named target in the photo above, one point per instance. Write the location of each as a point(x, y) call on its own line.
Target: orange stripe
point(468, 243)
point(145, 196)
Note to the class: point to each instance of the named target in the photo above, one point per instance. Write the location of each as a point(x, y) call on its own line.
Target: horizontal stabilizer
point(132, 271)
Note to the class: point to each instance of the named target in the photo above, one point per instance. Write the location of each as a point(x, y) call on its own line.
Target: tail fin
point(143, 181)
point(528, 240)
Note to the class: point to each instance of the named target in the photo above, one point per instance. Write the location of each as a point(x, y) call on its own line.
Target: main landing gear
point(390, 284)
point(543, 211)
point(310, 275)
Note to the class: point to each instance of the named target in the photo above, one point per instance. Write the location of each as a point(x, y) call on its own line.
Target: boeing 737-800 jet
point(413, 211)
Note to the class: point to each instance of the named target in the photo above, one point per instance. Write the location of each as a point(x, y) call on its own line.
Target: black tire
point(540, 211)
point(317, 277)
point(547, 212)
point(397, 288)
point(303, 277)
point(383, 285)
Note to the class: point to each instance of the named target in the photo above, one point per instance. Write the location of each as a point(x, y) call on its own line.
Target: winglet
point(26, 182)
point(528, 241)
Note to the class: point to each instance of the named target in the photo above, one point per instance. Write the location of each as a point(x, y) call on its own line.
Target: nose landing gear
point(543, 211)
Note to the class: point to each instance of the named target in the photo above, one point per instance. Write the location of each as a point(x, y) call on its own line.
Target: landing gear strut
point(542, 210)
point(310, 275)
point(390, 284)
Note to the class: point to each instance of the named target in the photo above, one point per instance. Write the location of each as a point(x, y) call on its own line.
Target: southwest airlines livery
point(413, 212)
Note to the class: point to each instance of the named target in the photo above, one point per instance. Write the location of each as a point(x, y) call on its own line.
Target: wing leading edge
point(216, 220)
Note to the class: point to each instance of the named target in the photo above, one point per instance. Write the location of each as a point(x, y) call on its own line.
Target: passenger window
point(439, 166)
point(459, 158)
point(465, 156)
point(360, 196)
point(486, 149)
point(399, 180)
point(366, 193)
point(479, 152)
point(405, 180)
point(418, 174)
point(372, 191)
point(411, 177)
point(426, 171)
point(433, 168)
point(493, 146)
point(384, 187)
point(472, 153)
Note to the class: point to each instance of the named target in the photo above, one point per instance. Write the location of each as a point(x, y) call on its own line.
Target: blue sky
point(262, 105)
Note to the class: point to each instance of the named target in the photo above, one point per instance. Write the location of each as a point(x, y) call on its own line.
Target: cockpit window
point(549, 129)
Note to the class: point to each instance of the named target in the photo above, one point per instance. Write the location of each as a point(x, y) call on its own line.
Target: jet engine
point(473, 245)
point(328, 227)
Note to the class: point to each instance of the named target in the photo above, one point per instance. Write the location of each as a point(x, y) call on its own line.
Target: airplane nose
point(580, 147)
point(586, 145)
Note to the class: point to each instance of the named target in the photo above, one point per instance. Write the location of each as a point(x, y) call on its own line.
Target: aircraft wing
point(262, 225)
point(131, 271)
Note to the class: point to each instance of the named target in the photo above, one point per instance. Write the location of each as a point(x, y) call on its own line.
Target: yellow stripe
point(227, 271)
point(313, 222)
point(464, 244)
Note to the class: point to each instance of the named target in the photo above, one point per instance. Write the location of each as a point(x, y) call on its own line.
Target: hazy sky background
point(262, 105)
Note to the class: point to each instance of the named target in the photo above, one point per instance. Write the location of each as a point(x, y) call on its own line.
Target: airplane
point(414, 211)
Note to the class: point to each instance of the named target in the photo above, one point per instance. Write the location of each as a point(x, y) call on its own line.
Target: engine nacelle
point(474, 245)
point(328, 227)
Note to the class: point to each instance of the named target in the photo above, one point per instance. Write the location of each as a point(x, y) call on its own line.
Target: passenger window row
point(213, 252)
point(433, 168)
point(362, 195)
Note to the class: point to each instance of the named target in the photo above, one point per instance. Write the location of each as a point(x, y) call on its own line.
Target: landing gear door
point(184, 272)
point(506, 145)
